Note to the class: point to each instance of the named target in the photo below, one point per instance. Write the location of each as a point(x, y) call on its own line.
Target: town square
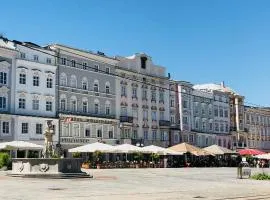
point(134, 99)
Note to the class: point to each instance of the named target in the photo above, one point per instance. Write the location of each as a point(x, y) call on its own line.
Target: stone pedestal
point(48, 168)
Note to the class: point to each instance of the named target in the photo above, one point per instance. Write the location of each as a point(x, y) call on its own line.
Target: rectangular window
point(111, 134)
point(216, 127)
point(49, 61)
point(99, 133)
point(96, 67)
point(35, 104)
point(123, 91)
point(22, 103)
point(144, 94)
point(63, 61)
point(39, 129)
point(161, 115)
point(76, 130)
point(210, 126)
point(161, 96)
point(22, 55)
point(87, 132)
point(24, 128)
point(3, 102)
point(49, 82)
point(134, 92)
point(153, 95)
point(162, 135)
point(123, 111)
point(73, 63)
point(172, 103)
point(107, 89)
point(154, 115)
point(154, 135)
point(143, 62)
point(203, 126)
point(145, 135)
point(221, 112)
point(172, 119)
point(5, 127)
point(84, 106)
point(216, 112)
point(35, 57)
point(48, 106)
point(63, 104)
point(185, 104)
point(107, 70)
point(84, 65)
point(226, 113)
point(135, 113)
point(3, 78)
point(185, 120)
point(35, 80)
point(145, 114)
point(96, 108)
point(73, 105)
point(135, 134)
point(22, 79)
point(108, 110)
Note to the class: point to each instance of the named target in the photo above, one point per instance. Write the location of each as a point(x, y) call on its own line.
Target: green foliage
point(4, 160)
point(76, 155)
point(56, 156)
point(98, 156)
point(154, 157)
point(261, 176)
point(138, 156)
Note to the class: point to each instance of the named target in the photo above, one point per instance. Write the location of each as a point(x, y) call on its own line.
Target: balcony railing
point(126, 119)
point(164, 123)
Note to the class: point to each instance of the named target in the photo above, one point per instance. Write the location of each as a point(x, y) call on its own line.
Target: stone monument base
point(48, 168)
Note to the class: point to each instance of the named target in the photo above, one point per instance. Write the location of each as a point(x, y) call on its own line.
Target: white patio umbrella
point(264, 156)
point(127, 148)
point(218, 150)
point(159, 150)
point(90, 148)
point(20, 145)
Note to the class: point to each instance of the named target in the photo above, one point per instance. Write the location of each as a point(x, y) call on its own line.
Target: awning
point(20, 145)
point(97, 146)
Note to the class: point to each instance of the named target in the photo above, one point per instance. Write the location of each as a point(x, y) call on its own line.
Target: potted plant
point(138, 157)
point(97, 156)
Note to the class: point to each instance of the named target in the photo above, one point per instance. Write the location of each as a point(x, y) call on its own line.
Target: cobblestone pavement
point(146, 184)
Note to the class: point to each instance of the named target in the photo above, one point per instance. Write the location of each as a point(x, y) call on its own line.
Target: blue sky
point(198, 41)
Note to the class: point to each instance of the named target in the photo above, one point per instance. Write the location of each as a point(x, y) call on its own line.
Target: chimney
point(222, 84)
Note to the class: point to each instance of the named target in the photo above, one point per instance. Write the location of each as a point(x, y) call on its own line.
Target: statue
point(48, 146)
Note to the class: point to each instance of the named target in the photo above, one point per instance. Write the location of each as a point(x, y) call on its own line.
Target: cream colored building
point(257, 127)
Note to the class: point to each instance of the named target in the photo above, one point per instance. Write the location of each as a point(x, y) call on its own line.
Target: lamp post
point(139, 143)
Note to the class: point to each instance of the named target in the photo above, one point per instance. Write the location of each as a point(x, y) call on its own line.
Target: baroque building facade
point(142, 101)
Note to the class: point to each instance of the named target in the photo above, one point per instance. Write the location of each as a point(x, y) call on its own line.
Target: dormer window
point(35, 57)
point(143, 62)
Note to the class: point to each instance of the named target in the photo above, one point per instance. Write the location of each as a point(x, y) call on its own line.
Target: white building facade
point(34, 92)
point(7, 65)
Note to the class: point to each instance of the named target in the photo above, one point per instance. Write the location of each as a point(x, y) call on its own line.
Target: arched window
point(107, 87)
point(108, 108)
point(96, 86)
point(73, 102)
point(73, 81)
point(63, 102)
point(96, 106)
point(63, 79)
point(84, 83)
point(85, 105)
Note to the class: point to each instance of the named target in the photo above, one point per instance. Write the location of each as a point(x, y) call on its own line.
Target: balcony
point(87, 114)
point(127, 119)
point(164, 123)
